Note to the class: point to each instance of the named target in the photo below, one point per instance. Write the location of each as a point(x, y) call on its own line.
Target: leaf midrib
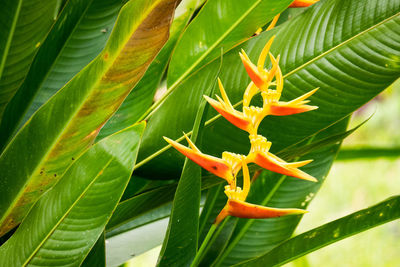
point(158, 152)
point(154, 107)
point(55, 61)
point(10, 37)
point(67, 212)
point(71, 119)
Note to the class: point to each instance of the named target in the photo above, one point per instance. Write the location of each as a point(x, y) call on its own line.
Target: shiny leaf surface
point(23, 26)
point(77, 208)
point(69, 122)
point(77, 37)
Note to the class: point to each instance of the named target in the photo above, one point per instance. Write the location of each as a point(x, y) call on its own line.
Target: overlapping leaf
point(329, 233)
point(77, 37)
point(23, 26)
point(142, 95)
point(70, 121)
point(66, 222)
point(350, 57)
point(220, 23)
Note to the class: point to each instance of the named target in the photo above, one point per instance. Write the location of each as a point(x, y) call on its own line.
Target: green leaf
point(69, 122)
point(347, 48)
point(66, 222)
point(253, 237)
point(181, 240)
point(131, 208)
point(23, 26)
point(220, 23)
point(142, 95)
point(363, 153)
point(97, 255)
point(290, 153)
point(344, 68)
point(329, 233)
point(76, 38)
point(138, 205)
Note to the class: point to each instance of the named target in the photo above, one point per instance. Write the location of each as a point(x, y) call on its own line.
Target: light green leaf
point(329, 233)
point(23, 26)
point(70, 121)
point(344, 68)
point(66, 222)
point(220, 23)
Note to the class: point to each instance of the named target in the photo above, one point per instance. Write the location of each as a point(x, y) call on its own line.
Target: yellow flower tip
point(264, 53)
point(303, 3)
point(212, 164)
point(243, 209)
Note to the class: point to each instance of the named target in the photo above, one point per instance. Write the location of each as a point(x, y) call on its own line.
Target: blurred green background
point(357, 184)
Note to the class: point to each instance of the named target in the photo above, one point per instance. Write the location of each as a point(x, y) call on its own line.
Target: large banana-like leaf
point(23, 26)
point(70, 121)
point(142, 96)
point(66, 222)
point(76, 38)
point(351, 60)
point(329, 233)
point(350, 49)
point(220, 23)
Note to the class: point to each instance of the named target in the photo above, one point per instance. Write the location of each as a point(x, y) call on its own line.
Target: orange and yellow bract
point(269, 83)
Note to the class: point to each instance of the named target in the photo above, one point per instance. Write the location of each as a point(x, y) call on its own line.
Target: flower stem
point(199, 254)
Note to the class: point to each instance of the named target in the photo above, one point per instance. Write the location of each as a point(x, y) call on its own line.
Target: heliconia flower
point(260, 76)
point(247, 120)
point(303, 3)
point(226, 168)
point(294, 106)
point(237, 207)
point(259, 155)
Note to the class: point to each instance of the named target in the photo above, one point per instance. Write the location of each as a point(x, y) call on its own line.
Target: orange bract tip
point(294, 106)
point(273, 163)
point(212, 164)
point(303, 3)
point(233, 116)
point(243, 209)
point(252, 70)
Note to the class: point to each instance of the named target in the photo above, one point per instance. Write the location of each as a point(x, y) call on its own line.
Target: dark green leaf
point(181, 241)
point(66, 222)
point(97, 255)
point(23, 26)
point(76, 38)
point(69, 122)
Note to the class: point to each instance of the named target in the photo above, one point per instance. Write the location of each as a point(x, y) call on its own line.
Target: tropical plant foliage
point(83, 159)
